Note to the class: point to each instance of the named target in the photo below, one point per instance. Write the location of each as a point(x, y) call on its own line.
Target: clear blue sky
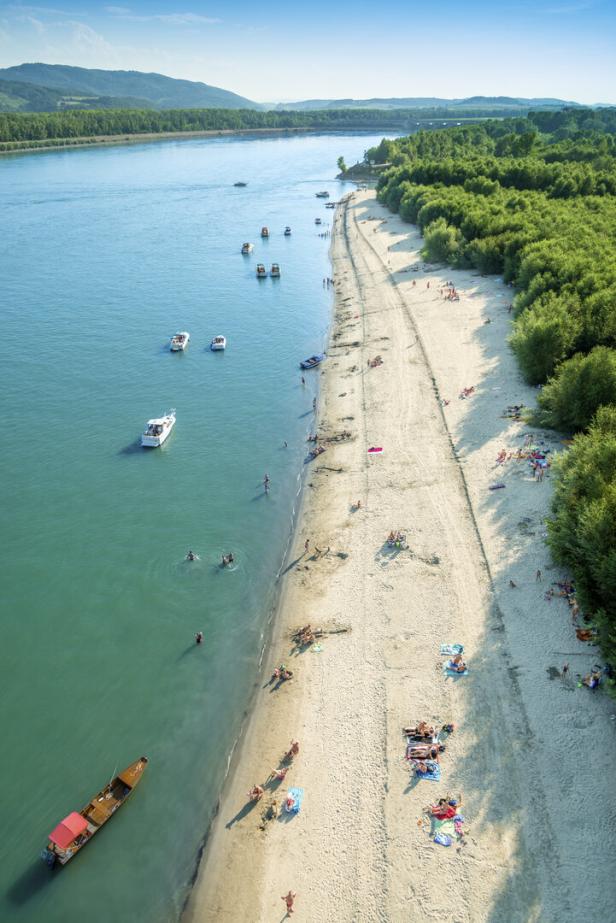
point(271, 50)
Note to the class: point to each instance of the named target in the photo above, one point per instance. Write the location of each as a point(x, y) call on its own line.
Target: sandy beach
point(532, 753)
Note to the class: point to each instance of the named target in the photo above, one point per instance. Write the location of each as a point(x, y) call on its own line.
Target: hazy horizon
point(556, 48)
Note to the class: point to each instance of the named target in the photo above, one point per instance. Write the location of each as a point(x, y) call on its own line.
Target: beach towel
point(452, 649)
point(375, 449)
point(297, 795)
point(450, 672)
point(443, 839)
point(446, 827)
point(433, 774)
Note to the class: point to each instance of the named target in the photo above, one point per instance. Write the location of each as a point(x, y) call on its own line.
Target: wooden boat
point(312, 361)
point(77, 829)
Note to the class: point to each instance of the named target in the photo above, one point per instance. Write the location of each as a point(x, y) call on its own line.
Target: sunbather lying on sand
point(444, 809)
point(457, 664)
point(427, 751)
point(423, 729)
point(255, 793)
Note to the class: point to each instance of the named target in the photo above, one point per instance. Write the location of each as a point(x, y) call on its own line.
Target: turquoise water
point(105, 253)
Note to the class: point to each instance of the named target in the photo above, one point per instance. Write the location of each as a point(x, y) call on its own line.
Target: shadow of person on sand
point(242, 813)
point(291, 565)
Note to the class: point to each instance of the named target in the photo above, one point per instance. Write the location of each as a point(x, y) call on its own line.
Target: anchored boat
point(247, 248)
point(218, 343)
point(322, 195)
point(179, 341)
point(264, 232)
point(78, 828)
point(240, 184)
point(275, 271)
point(261, 271)
point(317, 221)
point(157, 430)
point(312, 361)
point(287, 231)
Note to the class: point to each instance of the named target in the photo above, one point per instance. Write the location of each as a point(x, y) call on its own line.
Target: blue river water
point(104, 254)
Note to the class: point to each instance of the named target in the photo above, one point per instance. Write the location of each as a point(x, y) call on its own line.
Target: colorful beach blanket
point(447, 668)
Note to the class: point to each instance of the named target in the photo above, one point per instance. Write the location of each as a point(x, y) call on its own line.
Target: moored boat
point(275, 271)
point(261, 271)
point(322, 195)
point(218, 343)
point(247, 248)
point(78, 828)
point(157, 430)
point(240, 184)
point(312, 361)
point(264, 232)
point(317, 221)
point(287, 231)
point(179, 341)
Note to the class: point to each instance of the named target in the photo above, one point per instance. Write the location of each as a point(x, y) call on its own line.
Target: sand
point(539, 843)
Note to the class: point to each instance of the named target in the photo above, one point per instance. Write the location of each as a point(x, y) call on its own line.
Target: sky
point(279, 51)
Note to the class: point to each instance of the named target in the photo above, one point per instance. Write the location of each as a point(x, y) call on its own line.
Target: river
point(104, 254)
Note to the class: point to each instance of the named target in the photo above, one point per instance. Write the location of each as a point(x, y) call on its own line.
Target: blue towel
point(447, 669)
point(433, 774)
point(450, 649)
point(443, 839)
point(297, 794)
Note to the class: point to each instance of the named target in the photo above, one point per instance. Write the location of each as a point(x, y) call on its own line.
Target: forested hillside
point(26, 130)
point(534, 199)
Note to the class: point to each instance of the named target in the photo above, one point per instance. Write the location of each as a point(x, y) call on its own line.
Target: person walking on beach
point(288, 899)
point(306, 546)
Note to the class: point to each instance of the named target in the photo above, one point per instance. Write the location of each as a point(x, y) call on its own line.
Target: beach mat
point(450, 650)
point(298, 795)
point(448, 670)
point(434, 773)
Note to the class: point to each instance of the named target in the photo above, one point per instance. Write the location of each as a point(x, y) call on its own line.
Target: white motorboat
point(261, 271)
point(322, 195)
point(247, 248)
point(218, 343)
point(157, 430)
point(179, 341)
point(264, 232)
point(275, 271)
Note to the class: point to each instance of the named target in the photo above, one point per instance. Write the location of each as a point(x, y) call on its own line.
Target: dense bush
point(580, 387)
point(583, 526)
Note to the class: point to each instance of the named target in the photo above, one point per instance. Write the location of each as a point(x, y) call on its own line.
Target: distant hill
point(516, 104)
point(129, 89)
point(28, 97)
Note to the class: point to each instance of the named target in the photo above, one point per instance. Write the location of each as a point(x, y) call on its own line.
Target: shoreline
point(121, 139)
point(360, 849)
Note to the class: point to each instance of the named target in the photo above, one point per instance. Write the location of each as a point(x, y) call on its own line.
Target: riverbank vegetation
point(534, 199)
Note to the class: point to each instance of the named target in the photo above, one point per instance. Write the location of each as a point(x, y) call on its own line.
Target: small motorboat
point(317, 221)
point(240, 184)
point(247, 248)
point(218, 343)
point(261, 271)
point(77, 829)
point(157, 430)
point(312, 361)
point(179, 341)
point(287, 231)
point(330, 204)
point(264, 232)
point(275, 271)
point(322, 195)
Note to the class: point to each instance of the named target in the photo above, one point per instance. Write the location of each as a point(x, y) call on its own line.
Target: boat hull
point(95, 814)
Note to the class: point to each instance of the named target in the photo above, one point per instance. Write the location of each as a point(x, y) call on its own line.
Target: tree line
point(534, 200)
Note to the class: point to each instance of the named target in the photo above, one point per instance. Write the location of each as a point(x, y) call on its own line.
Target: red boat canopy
point(66, 831)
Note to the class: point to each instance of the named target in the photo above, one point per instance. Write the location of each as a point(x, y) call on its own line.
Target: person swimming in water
point(227, 559)
point(199, 637)
point(191, 556)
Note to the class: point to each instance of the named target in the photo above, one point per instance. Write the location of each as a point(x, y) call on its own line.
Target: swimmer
point(191, 556)
point(199, 637)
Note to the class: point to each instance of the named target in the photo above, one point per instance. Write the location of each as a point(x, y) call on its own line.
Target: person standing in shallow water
point(199, 637)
